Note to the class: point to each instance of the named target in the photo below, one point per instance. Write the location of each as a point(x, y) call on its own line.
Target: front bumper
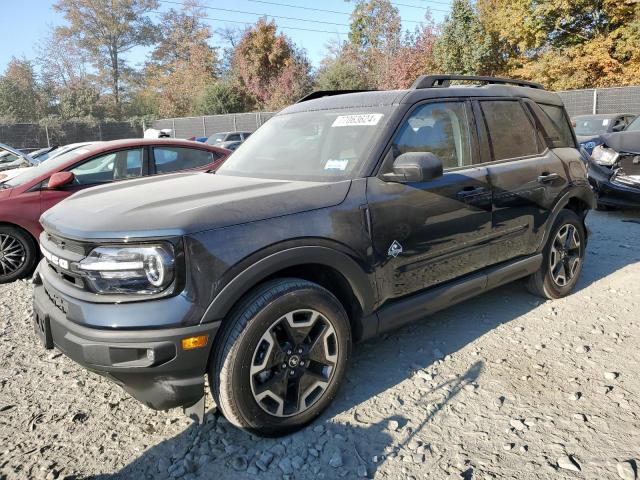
point(614, 194)
point(149, 364)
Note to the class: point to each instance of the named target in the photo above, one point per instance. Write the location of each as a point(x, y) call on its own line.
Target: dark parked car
point(344, 216)
point(589, 127)
point(229, 140)
point(615, 170)
point(24, 197)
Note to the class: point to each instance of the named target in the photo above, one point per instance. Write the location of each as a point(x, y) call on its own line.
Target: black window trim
point(482, 125)
point(215, 156)
point(383, 166)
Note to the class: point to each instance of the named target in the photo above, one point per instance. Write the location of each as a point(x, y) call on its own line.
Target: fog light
point(194, 342)
point(151, 355)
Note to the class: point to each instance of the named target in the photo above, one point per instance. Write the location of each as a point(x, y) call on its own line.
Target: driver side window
point(439, 128)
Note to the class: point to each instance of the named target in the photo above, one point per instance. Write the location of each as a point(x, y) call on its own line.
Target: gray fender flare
point(291, 257)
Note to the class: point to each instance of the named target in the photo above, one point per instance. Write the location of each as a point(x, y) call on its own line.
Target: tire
point(266, 374)
point(545, 282)
point(18, 254)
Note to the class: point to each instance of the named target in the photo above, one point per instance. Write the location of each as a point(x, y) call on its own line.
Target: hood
point(184, 203)
point(626, 142)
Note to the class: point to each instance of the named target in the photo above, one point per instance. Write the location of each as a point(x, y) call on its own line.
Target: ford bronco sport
point(344, 216)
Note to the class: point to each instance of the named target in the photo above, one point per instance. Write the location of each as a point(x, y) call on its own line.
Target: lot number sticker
point(364, 119)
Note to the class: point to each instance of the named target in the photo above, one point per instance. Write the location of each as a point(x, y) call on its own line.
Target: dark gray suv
point(344, 216)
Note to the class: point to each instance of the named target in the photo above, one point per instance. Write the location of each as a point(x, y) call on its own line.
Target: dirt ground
point(502, 386)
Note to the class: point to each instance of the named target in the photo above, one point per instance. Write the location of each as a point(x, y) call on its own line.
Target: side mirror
point(618, 127)
point(60, 179)
point(415, 167)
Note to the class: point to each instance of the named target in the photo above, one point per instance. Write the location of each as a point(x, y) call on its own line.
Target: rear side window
point(234, 137)
point(555, 124)
point(173, 159)
point(511, 134)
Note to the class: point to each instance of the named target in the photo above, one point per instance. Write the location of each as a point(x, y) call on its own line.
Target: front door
point(431, 232)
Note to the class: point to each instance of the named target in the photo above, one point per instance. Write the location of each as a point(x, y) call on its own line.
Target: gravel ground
point(503, 386)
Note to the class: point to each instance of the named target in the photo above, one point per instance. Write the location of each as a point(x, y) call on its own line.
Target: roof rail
point(328, 93)
point(435, 81)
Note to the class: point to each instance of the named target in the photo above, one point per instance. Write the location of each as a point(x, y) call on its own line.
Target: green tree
point(465, 47)
point(341, 73)
point(223, 97)
point(376, 38)
point(20, 96)
point(106, 31)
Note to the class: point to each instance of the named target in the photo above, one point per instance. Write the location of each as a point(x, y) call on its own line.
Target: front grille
point(629, 164)
point(69, 245)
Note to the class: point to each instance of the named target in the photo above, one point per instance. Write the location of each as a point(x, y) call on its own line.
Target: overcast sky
point(24, 22)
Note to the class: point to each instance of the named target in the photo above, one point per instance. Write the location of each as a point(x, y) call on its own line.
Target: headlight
point(143, 269)
point(604, 156)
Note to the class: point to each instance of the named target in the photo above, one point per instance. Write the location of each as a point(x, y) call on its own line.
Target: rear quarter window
point(556, 125)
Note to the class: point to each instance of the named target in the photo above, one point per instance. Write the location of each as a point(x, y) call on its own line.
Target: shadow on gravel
point(218, 450)
point(361, 437)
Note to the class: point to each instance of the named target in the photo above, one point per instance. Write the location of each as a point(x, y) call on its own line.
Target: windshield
point(50, 166)
point(634, 126)
point(592, 125)
point(326, 145)
point(216, 138)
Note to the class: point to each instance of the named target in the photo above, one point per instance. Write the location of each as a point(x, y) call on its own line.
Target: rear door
point(430, 232)
point(525, 174)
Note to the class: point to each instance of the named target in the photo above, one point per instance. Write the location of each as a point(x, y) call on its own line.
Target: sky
point(25, 22)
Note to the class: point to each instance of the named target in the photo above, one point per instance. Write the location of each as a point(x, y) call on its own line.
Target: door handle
point(548, 177)
point(470, 192)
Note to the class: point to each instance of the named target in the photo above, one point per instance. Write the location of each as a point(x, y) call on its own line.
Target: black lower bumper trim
point(149, 364)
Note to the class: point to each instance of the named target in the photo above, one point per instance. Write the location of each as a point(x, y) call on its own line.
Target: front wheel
point(563, 257)
point(281, 357)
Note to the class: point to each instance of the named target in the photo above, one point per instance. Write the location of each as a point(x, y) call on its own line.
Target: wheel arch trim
point(233, 291)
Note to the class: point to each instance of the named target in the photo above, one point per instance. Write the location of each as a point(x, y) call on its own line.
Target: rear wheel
point(18, 254)
point(563, 258)
point(281, 357)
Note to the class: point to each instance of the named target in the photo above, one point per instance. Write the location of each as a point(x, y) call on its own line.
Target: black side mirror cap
point(414, 167)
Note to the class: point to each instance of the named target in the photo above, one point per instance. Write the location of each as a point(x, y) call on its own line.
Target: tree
point(20, 98)
point(375, 36)
point(567, 43)
point(416, 57)
point(182, 63)
point(340, 73)
point(465, 47)
point(270, 67)
point(107, 30)
point(223, 97)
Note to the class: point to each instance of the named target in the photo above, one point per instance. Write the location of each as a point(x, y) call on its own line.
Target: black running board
point(418, 306)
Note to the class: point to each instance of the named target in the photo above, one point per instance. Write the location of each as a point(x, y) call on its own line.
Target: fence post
point(46, 132)
point(100, 131)
point(204, 126)
point(595, 101)
point(173, 122)
point(235, 124)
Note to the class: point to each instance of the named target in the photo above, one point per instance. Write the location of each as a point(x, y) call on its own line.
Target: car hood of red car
point(185, 203)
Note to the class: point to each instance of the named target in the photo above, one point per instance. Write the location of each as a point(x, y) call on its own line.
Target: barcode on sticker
point(363, 119)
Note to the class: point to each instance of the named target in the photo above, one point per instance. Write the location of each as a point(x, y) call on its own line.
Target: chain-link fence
point(602, 100)
point(30, 136)
point(208, 125)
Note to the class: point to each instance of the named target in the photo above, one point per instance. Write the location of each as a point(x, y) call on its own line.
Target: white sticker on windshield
point(363, 119)
point(336, 165)
point(605, 122)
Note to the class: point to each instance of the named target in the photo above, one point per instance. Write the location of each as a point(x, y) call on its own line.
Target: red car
point(25, 197)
